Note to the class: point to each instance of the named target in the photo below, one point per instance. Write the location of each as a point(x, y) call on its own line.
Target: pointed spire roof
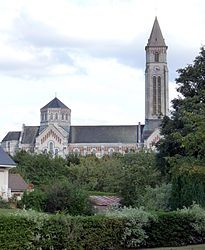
point(55, 103)
point(156, 39)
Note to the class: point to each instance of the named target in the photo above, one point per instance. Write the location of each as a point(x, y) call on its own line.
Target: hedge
point(56, 232)
point(174, 229)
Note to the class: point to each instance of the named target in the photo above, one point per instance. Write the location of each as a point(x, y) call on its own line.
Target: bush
point(33, 200)
point(157, 198)
point(68, 198)
point(36, 231)
point(134, 234)
point(177, 228)
point(119, 229)
point(4, 204)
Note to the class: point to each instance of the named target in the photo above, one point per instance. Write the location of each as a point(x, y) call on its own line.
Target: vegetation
point(130, 228)
point(58, 197)
point(129, 176)
point(181, 152)
point(184, 132)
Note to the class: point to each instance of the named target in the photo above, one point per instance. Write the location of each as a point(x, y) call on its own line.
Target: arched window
point(63, 116)
point(66, 116)
point(93, 151)
point(159, 95)
point(51, 116)
point(76, 151)
point(51, 147)
point(156, 56)
point(111, 151)
point(154, 95)
point(56, 151)
point(56, 116)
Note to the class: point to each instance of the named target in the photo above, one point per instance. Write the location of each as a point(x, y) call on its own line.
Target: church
point(57, 136)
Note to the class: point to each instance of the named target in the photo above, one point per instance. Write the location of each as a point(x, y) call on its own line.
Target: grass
point(191, 247)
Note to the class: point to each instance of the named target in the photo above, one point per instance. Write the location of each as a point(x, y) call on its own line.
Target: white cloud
point(91, 53)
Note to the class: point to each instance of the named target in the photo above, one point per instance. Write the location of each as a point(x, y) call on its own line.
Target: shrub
point(68, 198)
point(119, 229)
point(157, 198)
point(134, 234)
point(176, 228)
point(4, 204)
point(33, 200)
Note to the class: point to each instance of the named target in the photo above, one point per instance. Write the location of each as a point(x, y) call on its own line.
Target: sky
point(90, 54)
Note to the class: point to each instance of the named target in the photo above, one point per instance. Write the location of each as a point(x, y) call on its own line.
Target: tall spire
point(156, 39)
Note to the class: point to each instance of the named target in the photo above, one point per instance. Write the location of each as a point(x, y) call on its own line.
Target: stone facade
point(57, 136)
point(156, 81)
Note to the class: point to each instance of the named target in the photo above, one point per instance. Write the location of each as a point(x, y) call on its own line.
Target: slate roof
point(5, 159)
point(17, 183)
point(29, 134)
point(104, 134)
point(55, 103)
point(156, 38)
point(12, 136)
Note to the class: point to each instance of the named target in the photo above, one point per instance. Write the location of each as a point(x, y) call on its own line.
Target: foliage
point(198, 214)
point(126, 175)
point(33, 200)
point(96, 174)
point(157, 198)
point(184, 133)
point(58, 197)
point(4, 204)
point(66, 197)
point(134, 234)
point(188, 185)
point(118, 229)
point(176, 228)
point(139, 172)
point(40, 169)
point(36, 231)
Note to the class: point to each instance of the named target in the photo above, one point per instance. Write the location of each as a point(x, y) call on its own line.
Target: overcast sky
point(90, 53)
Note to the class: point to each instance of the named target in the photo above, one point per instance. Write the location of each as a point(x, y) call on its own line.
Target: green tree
point(188, 185)
point(41, 169)
point(96, 174)
point(139, 172)
point(184, 132)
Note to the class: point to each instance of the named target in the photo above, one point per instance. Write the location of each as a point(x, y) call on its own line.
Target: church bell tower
point(156, 81)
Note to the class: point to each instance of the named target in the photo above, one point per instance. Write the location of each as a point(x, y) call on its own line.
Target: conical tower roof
point(55, 103)
point(156, 39)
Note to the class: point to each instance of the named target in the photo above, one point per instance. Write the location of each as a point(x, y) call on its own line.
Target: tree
point(184, 132)
point(188, 185)
point(40, 169)
point(96, 174)
point(139, 172)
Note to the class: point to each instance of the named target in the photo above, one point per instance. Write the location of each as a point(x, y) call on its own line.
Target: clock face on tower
point(156, 69)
